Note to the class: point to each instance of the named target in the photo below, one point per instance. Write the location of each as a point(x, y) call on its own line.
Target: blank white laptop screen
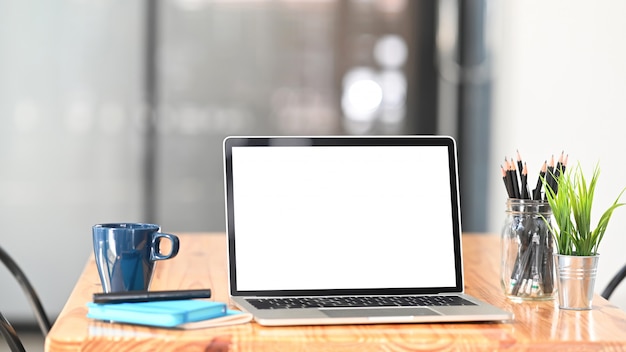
point(342, 217)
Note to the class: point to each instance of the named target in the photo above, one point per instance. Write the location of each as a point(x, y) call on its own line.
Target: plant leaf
point(572, 208)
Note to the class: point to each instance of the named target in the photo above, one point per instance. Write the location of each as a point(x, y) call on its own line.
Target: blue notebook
point(157, 313)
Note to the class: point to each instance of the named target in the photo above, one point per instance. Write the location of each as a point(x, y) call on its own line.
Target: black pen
point(148, 296)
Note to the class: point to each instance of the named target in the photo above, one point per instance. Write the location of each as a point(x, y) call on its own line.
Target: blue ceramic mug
point(125, 254)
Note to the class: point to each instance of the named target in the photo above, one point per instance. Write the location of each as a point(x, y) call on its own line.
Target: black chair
point(10, 335)
point(615, 281)
point(6, 328)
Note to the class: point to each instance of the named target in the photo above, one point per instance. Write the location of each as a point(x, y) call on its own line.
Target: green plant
point(572, 204)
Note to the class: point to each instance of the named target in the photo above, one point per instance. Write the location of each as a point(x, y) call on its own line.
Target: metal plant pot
point(576, 280)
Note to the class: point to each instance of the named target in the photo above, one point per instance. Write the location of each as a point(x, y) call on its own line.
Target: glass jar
point(527, 266)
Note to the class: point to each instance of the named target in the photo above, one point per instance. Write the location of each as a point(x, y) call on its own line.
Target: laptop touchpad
point(378, 312)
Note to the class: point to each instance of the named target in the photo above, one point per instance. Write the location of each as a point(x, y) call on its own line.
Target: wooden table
point(201, 263)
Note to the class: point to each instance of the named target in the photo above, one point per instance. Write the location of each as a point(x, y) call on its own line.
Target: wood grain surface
point(201, 263)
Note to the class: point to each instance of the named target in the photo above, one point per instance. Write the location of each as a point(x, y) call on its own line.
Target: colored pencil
point(542, 175)
point(507, 184)
point(524, 194)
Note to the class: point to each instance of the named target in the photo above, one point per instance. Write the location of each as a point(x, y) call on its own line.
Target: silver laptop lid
point(338, 215)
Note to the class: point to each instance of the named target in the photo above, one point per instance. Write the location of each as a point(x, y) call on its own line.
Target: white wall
point(560, 85)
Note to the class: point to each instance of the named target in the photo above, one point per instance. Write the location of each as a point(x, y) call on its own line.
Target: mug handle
point(155, 253)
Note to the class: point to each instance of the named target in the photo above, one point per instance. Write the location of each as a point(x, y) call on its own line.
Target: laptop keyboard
point(357, 301)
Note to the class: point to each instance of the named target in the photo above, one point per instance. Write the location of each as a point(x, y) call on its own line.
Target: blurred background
point(116, 110)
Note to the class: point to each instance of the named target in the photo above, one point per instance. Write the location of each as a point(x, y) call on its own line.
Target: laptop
point(346, 230)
